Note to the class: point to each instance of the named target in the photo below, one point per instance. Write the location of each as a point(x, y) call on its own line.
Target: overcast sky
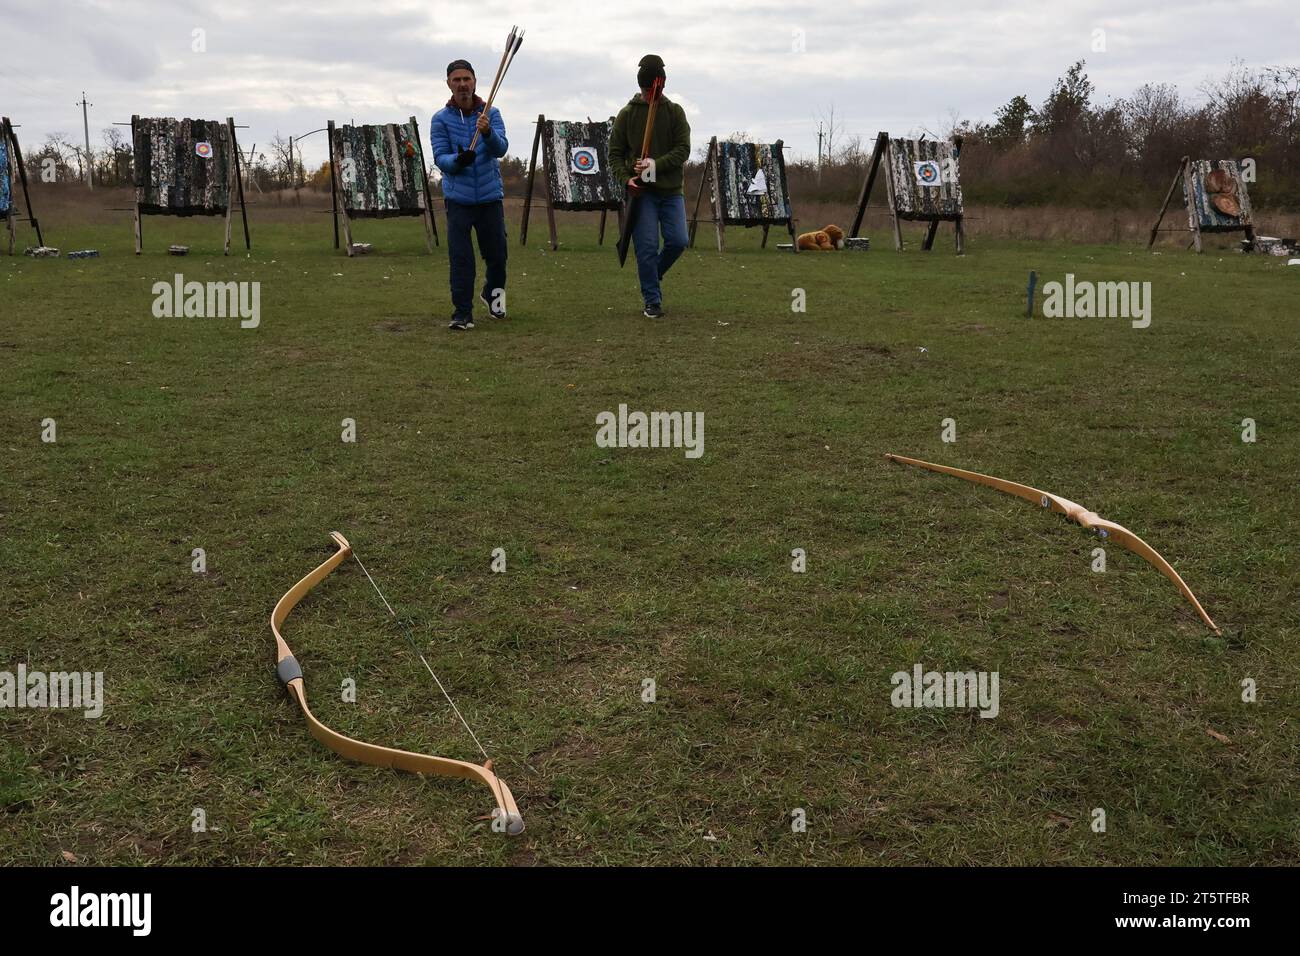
point(770, 68)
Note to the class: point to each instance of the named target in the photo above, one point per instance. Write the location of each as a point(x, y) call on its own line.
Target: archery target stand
point(378, 172)
point(922, 184)
point(1216, 198)
point(187, 168)
point(747, 187)
point(577, 175)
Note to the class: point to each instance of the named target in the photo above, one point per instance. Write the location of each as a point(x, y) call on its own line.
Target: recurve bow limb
point(1077, 513)
point(290, 673)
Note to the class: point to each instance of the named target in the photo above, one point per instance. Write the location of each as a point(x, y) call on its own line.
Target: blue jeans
point(489, 221)
point(656, 212)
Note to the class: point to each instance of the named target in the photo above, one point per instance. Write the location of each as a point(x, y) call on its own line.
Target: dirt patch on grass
point(804, 360)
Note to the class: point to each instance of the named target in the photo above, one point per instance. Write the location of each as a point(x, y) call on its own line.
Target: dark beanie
point(649, 69)
point(455, 65)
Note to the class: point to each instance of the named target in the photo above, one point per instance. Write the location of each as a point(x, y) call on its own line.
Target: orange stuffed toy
point(823, 240)
point(816, 242)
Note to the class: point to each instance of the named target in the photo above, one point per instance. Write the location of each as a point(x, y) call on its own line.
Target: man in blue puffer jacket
point(471, 186)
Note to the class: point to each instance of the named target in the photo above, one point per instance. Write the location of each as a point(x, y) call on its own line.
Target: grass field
point(773, 688)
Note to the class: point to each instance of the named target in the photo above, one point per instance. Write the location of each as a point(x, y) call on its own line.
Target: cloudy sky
point(771, 68)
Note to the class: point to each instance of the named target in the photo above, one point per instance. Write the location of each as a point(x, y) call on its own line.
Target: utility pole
point(819, 152)
point(85, 122)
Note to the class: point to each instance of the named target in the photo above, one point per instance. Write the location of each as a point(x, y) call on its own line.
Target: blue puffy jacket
point(450, 131)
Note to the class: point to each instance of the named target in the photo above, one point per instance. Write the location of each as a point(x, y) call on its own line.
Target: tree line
point(1069, 150)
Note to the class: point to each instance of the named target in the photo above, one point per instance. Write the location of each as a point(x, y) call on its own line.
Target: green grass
point(773, 687)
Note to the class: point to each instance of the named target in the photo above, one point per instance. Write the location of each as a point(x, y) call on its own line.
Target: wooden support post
point(550, 213)
point(347, 223)
point(1193, 218)
point(704, 177)
point(763, 244)
point(873, 166)
point(334, 186)
point(889, 194)
point(600, 239)
point(794, 239)
point(424, 173)
point(929, 235)
point(134, 120)
point(1182, 165)
point(718, 225)
point(532, 174)
point(959, 228)
point(22, 178)
point(239, 182)
point(230, 208)
point(431, 221)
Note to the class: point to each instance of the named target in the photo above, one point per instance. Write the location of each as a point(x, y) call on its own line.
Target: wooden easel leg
point(550, 222)
point(229, 210)
point(929, 235)
point(428, 229)
point(1193, 218)
point(699, 194)
point(889, 195)
point(13, 235)
point(794, 239)
point(600, 241)
point(1250, 237)
point(872, 166)
point(334, 179)
point(137, 229)
point(718, 223)
point(347, 230)
point(1165, 205)
point(959, 231)
point(237, 187)
point(532, 174)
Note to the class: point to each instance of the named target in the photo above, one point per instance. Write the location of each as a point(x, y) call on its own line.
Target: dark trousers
point(489, 221)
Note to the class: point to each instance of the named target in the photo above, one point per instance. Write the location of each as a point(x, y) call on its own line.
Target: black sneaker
point(460, 325)
point(496, 314)
point(653, 311)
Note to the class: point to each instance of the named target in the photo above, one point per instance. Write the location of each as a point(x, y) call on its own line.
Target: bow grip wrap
point(288, 670)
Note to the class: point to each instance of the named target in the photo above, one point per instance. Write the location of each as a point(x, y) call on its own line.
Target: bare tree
point(834, 128)
point(283, 159)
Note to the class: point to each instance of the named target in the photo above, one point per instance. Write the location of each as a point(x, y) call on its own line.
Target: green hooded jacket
point(670, 143)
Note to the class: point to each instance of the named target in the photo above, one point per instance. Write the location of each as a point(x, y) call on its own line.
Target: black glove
point(466, 158)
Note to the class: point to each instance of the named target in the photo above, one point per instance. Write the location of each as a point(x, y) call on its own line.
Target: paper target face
point(582, 159)
point(927, 172)
point(203, 150)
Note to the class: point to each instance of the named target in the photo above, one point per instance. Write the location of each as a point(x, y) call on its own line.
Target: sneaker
point(460, 325)
point(491, 311)
point(653, 311)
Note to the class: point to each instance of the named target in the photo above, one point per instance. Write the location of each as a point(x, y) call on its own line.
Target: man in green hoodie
point(662, 206)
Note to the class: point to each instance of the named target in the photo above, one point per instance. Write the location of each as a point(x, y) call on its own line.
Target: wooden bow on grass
point(633, 190)
point(1078, 513)
point(290, 673)
point(513, 42)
